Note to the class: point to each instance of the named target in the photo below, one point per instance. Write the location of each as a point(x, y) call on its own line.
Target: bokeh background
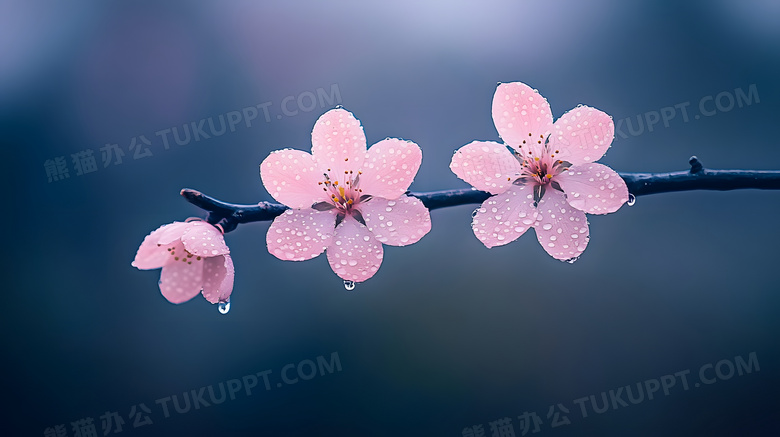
point(448, 335)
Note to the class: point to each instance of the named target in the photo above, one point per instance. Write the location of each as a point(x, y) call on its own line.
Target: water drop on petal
point(349, 285)
point(631, 200)
point(224, 307)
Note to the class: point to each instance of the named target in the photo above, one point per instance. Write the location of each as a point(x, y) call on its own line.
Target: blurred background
point(97, 106)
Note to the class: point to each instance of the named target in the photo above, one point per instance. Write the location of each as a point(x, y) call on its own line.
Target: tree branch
point(230, 215)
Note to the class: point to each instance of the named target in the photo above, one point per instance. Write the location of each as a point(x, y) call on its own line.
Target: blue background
point(448, 334)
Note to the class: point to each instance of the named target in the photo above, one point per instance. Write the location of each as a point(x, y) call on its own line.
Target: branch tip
point(696, 165)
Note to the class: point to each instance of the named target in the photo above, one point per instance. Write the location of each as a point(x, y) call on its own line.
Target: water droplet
point(572, 260)
point(631, 200)
point(224, 307)
point(349, 285)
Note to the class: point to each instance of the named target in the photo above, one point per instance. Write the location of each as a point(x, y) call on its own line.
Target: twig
point(230, 215)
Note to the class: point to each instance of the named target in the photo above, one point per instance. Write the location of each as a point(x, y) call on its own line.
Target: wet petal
point(218, 276)
point(354, 255)
point(298, 235)
point(593, 188)
point(291, 177)
point(173, 232)
point(582, 135)
point(181, 281)
point(338, 142)
point(396, 222)
point(151, 254)
point(520, 114)
point(561, 230)
point(486, 165)
point(504, 217)
point(390, 167)
point(205, 240)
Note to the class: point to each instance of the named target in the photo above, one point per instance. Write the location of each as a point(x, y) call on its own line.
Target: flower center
point(184, 257)
point(538, 161)
point(345, 193)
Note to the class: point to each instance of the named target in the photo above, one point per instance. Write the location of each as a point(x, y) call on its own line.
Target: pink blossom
point(544, 176)
point(344, 199)
point(193, 257)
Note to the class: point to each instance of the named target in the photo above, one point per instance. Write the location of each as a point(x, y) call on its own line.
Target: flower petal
point(593, 188)
point(173, 232)
point(520, 113)
point(561, 230)
point(582, 135)
point(298, 235)
point(291, 177)
point(486, 165)
point(203, 239)
point(338, 142)
point(181, 281)
point(396, 222)
point(218, 273)
point(151, 254)
point(390, 167)
point(354, 255)
point(504, 217)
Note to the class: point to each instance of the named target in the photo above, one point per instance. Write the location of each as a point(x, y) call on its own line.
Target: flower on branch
point(193, 257)
point(544, 176)
point(345, 200)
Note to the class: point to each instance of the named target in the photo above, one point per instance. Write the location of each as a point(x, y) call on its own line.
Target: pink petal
point(396, 222)
point(354, 255)
point(561, 230)
point(181, 281)
point(582, 135)
point(173, 232)
point(338, 142)
point(486, 165)
point(593, 188)
point(521, 113)
point(203, 239)
point(504, 217)
point(298, 235)
point(291, 177)
point(218, 275)
point(390, 167)
point(151, 254)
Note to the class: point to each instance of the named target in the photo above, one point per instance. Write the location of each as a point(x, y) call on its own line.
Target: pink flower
point(345, 200)
point(193, 257)
point(544, 176)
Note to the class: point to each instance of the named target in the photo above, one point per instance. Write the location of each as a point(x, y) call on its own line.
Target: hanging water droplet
point(349, 285)
point(631, 200)
point(572, 260)
point(224, 307)
point(474, 213)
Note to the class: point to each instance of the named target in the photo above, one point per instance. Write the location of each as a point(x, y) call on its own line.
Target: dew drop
point(349, 285)
point(572, 260)
point(631, 200)
point(224, 307)
point(474, 213)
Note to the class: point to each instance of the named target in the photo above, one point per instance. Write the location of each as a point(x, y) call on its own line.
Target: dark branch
point(230, 215)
